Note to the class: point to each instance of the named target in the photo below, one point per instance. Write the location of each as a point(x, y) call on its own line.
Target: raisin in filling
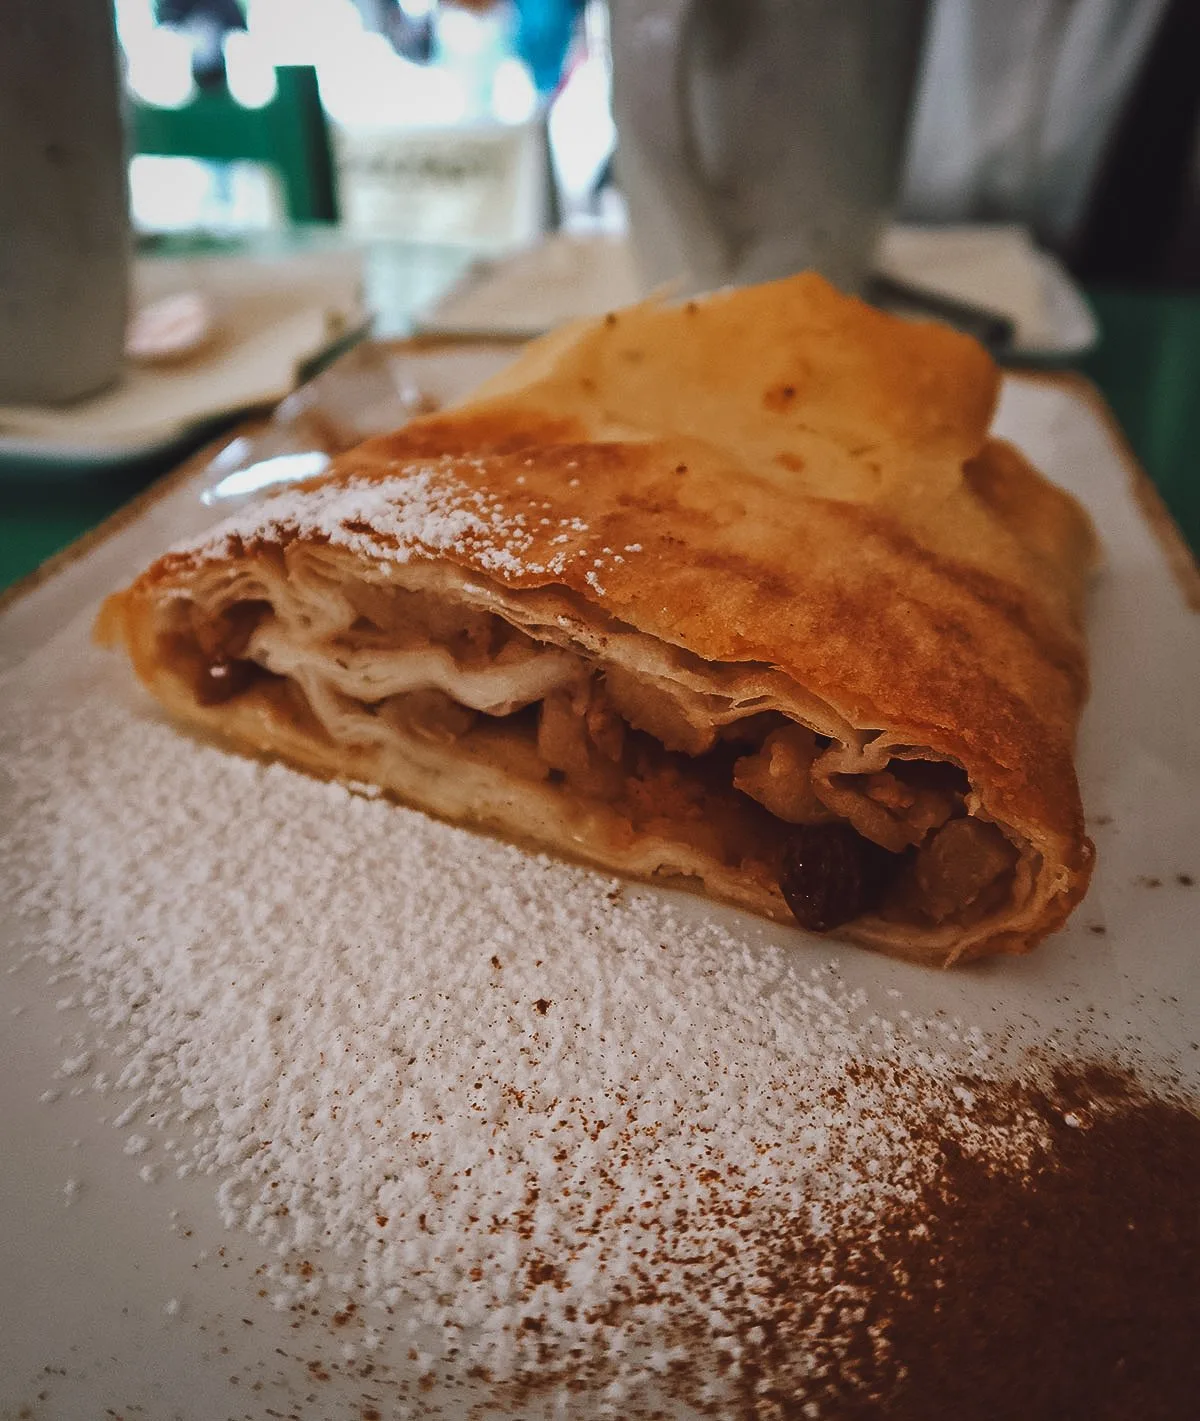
point(832, 875)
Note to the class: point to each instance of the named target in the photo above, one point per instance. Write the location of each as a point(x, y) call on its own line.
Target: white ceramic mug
point(64, 224)
point(760, 137)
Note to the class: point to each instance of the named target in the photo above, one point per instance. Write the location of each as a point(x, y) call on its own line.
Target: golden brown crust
point(777, 476)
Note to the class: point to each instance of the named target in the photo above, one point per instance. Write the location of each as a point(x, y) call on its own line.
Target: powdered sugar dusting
point(552, 1122)
point(427, 511)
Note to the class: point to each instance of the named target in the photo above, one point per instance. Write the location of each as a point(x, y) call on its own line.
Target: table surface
point(1147, 365)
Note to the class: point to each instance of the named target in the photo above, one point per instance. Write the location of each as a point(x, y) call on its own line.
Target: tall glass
point(759, 137)
point(64, 225)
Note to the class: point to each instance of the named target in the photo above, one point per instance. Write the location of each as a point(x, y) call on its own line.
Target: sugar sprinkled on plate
point(554, 1126)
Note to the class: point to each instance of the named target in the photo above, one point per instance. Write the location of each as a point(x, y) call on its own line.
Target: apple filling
point(753, 789)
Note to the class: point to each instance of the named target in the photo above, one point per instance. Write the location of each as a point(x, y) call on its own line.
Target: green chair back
point(290, 134)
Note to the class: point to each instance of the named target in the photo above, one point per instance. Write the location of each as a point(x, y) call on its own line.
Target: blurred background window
point(436, 113)
point(484, 123)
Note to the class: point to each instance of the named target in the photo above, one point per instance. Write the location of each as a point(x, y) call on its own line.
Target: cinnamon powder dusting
point(1068, 1289)
point(1066, 1286)
point(1071, 1291)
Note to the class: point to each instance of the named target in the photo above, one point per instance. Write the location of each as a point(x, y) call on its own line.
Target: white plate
point(124, 1295)
point(997, 268)
point(1071, 325)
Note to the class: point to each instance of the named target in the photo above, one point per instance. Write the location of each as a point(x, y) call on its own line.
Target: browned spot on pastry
point(779, 398)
